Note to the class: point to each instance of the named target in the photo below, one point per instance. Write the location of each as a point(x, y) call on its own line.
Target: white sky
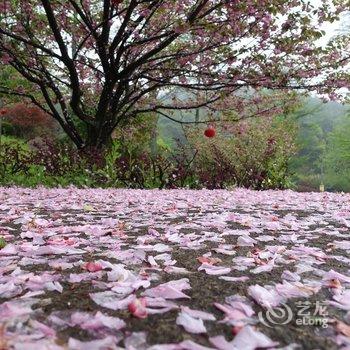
point(331, 29)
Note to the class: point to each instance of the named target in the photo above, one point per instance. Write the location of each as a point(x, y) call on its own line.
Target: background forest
point(304, 148)
point(323, 146)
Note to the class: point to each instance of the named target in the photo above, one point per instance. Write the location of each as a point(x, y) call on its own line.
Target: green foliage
point(256, 153)
point(323, 147)
point(14, 156)
point(252, 154)
point(337, 158)
point(10, 79)
point(151, 153)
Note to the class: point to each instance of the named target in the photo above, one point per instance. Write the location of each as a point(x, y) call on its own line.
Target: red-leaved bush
point(29, 121)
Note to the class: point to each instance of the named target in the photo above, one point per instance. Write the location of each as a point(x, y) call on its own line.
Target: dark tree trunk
point(98, 139)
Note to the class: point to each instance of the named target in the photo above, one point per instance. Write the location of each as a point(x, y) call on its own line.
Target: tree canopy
point(101, 63)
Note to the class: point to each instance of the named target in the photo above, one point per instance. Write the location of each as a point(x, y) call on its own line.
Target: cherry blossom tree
point(100, 63)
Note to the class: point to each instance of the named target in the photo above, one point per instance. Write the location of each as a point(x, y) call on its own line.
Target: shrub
point(15, 157)
point(28, 121)
point(252, 154)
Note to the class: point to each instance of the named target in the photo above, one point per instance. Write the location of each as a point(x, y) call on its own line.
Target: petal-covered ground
point(171, 270)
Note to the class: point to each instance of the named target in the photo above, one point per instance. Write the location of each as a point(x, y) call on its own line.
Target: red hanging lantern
point(210, 132)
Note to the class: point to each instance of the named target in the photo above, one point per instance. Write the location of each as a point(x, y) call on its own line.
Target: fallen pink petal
point(138, 308)
point(68, 279)
point(190, 323)
point(248, 338)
